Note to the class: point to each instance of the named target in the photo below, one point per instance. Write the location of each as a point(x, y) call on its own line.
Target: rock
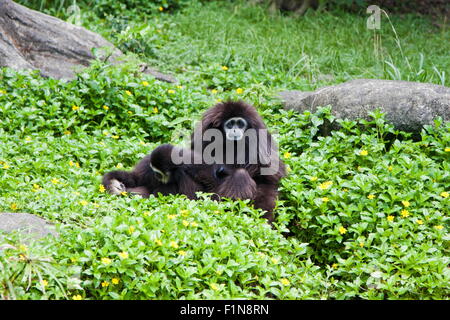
point(407, 105)
point(158, 75)
point(30, 225)
point(32, 40)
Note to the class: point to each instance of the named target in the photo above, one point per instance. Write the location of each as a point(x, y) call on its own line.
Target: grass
point(363, 213)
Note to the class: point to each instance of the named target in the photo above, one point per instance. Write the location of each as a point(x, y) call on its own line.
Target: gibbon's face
point(234, 128)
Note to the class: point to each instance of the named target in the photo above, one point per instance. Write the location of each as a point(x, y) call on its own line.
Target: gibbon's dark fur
point(266, 185)
point(156, 173)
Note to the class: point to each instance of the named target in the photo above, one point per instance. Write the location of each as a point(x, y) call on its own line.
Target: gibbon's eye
point(241, 124)
point(158, 175)
point(220, 173)
point(230, 124)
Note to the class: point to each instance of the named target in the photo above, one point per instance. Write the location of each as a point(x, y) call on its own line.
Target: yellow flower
point(274, 260)
point(83, 202)
point(5, 166)
point(334, 265)
point(342, 230)
point(23, 247)
point(44, 283)
point(3, 91)
point(184, 212)
point(128, 92)
point(77, 297)
point(447, 149)
point(418, 221)
point(363, 153)
point(28, 139)
point(390, 168)
point(174, 244)
point(345, 190)
point(194, 224)
point(74, 108)
point(171, 216)
point(129, 112)
point(361, 244)
point(115, 280)
point(106, 108)
point(285, 282)
point(131, 229)
point(287, 155)
point(185, 223)
point(261, 254)
point(76, 193)
point(71, 163)
point(404, 213)
point(390, 218)
point(142, 143)
point(119, 166)
point(101, 188)
point(13, 206)
point(55, 181)
point(214, 286)
point(155, 110)
point(224, 68)
point(171, 91)
point(214, 91)
point(106, 261)
point(439, 227)
point(313, 178)
point(406, 204)
point(158, 242)
point(325, 199)
point(444, 194)
point(146, 213)
point(36, 187)
point(123, 254)
point(325, 185)
point(160, 8)
point(239, 90)
point(105, 284)
point(371, 197)
point(144, 83)
point(182, 253)
point(67, 132)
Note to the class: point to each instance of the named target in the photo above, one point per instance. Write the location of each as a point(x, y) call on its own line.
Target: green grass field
point(359, 216)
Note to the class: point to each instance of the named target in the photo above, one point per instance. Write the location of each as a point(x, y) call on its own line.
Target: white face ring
point(161, 176)
point(234, 128)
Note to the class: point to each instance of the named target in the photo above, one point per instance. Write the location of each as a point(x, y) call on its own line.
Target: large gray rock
point(31, 226)
point(32, 40)
point(407, 105)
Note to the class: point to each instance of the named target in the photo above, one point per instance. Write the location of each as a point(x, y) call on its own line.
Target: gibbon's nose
point(235, 134)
